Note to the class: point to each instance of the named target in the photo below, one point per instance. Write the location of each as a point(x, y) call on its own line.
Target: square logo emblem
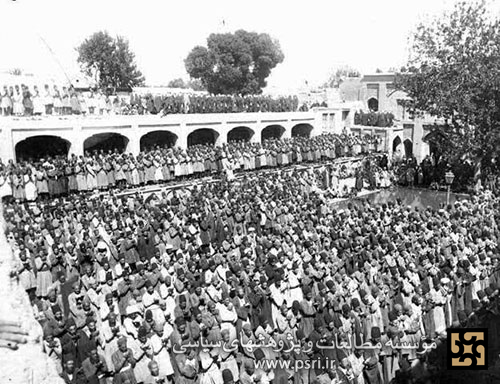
point(467, 349)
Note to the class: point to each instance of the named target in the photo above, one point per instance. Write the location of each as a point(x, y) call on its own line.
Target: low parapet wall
point(28, 364)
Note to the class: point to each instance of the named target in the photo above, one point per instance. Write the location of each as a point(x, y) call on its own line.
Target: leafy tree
point(196, 85)
point(454, 74)
point(110, 61)
point(339, 74)
point(177, 83)
point(236, 63)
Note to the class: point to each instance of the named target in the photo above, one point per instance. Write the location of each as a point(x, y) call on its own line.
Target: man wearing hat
point(247, 375)
point(75, 298)
point(154, 376)
point(124, 362)
point(187, 365)
point(344, 369)
point(308, 311)
point(52, 347)
point(227, 355)
point(72, 374)
point(438, 301)
point(129, 249)
point(227, 315)
point(124, 292)
point(180, 333)
point(108, 306)
point(149, 322)
point(278, 295)
point(95, 368)
point(151, 300)
point(183, 309)
point(89, 337)
point(110, 331)
point(261, 302)
point(372, 366)
point(242, 307)
point(143, 353)
point(133, 320)
point(69, 344)
point(158, 341)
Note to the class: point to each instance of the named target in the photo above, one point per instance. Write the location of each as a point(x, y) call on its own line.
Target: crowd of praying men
point(56, 176)
point(176, 287)
point(172, 104)
point(23, 100)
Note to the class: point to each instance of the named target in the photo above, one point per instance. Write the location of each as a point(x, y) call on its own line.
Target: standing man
point(124, 363)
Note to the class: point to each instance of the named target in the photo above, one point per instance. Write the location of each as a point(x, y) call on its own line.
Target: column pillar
point(382, 97)
point(256, 136)
point(134, 143)
point(77, 141)
point(182, 141)
point(420, 148)
point(7, 151)
point(222, 138)
point(288, 131)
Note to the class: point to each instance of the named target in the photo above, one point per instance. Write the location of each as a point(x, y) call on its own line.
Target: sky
point(315, 36)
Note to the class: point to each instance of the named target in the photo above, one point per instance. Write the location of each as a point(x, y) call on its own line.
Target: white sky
point(315, 35)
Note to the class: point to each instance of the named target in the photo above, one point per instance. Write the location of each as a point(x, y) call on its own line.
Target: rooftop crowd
point(99, 171)
point(374, 119)
point(20, 100)
point(212, 104)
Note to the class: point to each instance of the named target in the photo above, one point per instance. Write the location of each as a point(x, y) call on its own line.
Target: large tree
point(454, 74)
point(109, 61)
point(234, 63)
point(339, 74)
point(177, 83)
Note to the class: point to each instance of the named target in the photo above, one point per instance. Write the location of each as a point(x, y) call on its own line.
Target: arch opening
point(373, 104)
point(105, 142)
point(302, 130)
point(202, 136)
point(38, 147)
point(408, 148)
point(162, 139)
point(240, 134)
point(272, 132)
point(396, 144)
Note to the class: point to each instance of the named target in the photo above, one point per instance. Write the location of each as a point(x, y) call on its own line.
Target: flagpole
point(55, 58)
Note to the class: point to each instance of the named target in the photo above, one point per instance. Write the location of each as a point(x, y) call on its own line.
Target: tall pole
point(448, 196)
point(55, 58)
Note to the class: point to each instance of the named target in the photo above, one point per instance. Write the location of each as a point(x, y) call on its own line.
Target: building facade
point(23, 138)
point(379, 94)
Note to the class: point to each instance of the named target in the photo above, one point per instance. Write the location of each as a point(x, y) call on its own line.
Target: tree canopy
point(194, 84)
point(454, 74)
point(338, 75)
point(109, 61)
point(177, 83)
point(234, 63)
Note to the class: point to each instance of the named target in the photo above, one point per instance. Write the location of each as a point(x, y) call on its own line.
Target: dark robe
point(70, 349)
point(78, 377)
point(85, 344)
